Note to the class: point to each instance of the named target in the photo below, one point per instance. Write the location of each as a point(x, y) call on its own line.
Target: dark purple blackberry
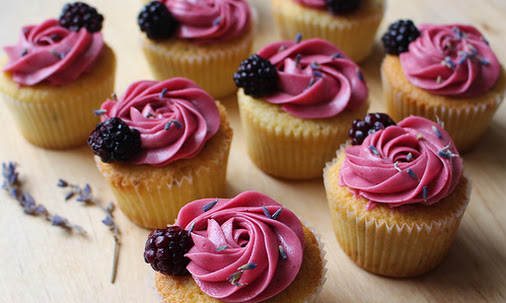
point(112, 140)
point(76, 15)
point(157, 21)
point(399, 35)
point(340, 7)
point(257, 76)
point(165, 249)
point(373, 122)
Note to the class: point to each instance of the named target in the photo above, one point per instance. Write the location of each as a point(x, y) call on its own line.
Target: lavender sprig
point(15, 189)
point(84, 195)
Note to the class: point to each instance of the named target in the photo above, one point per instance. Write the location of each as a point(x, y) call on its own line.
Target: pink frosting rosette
point(247, 249)
point(49, 52)
point(412, 162)
point(207, 21)
point(453, 60)
point(316, 80)
point(175, 118)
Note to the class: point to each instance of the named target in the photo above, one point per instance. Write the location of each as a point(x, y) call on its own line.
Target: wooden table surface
point(41, 263)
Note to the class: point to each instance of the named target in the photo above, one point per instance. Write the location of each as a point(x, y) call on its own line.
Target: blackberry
point(76, 15)
point(341, 7)
point(165, 249)
point(257, 76)
point(399, 35)
point(157, 21)
point(112, 140)
point(373, 122)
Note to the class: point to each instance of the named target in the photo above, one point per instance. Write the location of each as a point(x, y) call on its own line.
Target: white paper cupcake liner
point(397, 250)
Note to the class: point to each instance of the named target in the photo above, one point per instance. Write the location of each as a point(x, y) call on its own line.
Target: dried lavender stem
point(115, 257)
point(84, 195)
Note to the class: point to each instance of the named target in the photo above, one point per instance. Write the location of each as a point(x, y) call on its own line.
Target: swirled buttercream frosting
point(247, 249)
point(207, 21)
point(51, 53)
point(413, 162)
point(175, 118)
point(453, 60)
point(316, 80)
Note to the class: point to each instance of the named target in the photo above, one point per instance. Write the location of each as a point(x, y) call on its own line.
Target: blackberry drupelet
point(165, 249)
point(157, 21)
point(76, 15)
point(399, 35)
point(340, 7)
point(373, 122)
point(112, 140)
point(257, 76)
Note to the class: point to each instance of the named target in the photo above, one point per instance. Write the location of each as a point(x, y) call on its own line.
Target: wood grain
point(40, 263)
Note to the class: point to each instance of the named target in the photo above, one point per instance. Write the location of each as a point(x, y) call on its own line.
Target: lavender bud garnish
point(248, 266)
point(210, 205)
point(110, 207)
point(297, 59)
point(281, 48)
point(458, 32)
point(178, 125)
point(108, 221)
point(318, 74)
point(412, 174)
point(359, 74)
point(99, 112)
point(57, 54)
point(62, 183)
point(217, 20)
point(473, 49)
point(315, 65)
point(425, 193)
point(234, 279)
point(221, 248)
point(276, 214)
point(163, 92)
point(69, 195)
point(448, 63)
point(282, 252)
point(266, 211)
point(311, 82)
point(335, 56)
point(24, 52)
point(298, 38)
point(374, 150)
point(483, 61)
point(409, 157)
point(437, 132)
point(190, 230)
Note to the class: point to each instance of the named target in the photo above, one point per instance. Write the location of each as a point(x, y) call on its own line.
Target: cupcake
point(245, 249)
point(201, 40)
point(56, 75)
point(396, 198)
point(160, 146)
point(296, 104)
point(442, 71)
point(349, 24)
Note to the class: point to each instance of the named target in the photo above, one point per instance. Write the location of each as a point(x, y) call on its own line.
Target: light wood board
point(41, 263)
